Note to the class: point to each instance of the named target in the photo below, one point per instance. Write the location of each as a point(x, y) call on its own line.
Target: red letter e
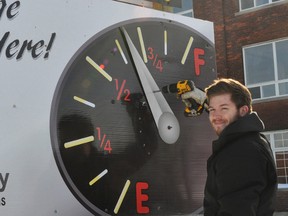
point(140, 198)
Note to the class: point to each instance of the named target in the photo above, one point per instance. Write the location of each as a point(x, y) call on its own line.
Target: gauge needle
point(167, 123)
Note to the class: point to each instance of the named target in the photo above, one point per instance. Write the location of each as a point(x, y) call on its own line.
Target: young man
point(241, 178)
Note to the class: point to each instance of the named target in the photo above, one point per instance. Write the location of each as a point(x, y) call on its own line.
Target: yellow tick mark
point(165, 42)
point(122, 196)
point(81, 100)
point(79, 142)
point(98, 68)
point(142, 45)
point(121, 51)
point(93, 181)
point(188, 47)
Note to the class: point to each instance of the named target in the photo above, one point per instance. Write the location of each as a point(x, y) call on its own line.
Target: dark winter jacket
point(242, 178)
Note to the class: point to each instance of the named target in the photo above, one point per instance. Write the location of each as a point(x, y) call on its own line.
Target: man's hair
point(240, 94)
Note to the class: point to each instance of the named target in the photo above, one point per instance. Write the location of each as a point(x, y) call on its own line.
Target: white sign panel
point(40, 42)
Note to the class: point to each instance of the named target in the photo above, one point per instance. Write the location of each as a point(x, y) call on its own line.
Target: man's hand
point(195, 102)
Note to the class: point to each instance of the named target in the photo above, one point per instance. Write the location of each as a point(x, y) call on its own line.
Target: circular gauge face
point(105, 118)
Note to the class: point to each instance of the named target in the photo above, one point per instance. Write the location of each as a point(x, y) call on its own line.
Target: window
point(186, 9)
point(182, 7)
point(279, 145)
point(247, 4)
point(266, 69)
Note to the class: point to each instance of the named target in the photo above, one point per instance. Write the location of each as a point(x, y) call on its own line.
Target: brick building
point(251, 39)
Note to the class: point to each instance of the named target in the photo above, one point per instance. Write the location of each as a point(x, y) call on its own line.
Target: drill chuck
point(180, 87)
point(172, 88)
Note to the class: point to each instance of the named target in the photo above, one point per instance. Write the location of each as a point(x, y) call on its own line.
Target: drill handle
point(193, 109)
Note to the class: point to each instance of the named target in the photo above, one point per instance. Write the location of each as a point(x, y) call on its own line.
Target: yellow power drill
point(195, 101)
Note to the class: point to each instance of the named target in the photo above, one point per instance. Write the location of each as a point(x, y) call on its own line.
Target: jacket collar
point(246, 124)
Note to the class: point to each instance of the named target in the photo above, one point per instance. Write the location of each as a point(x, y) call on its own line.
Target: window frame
point(276, 82)
point(275, 150)
point(270, 2)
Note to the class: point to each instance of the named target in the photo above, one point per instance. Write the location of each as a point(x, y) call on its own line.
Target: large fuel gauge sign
point(118, 141)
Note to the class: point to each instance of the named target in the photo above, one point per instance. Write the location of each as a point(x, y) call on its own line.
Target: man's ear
point(244, 110)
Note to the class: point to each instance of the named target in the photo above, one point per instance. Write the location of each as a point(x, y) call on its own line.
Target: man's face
point(222, 112)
